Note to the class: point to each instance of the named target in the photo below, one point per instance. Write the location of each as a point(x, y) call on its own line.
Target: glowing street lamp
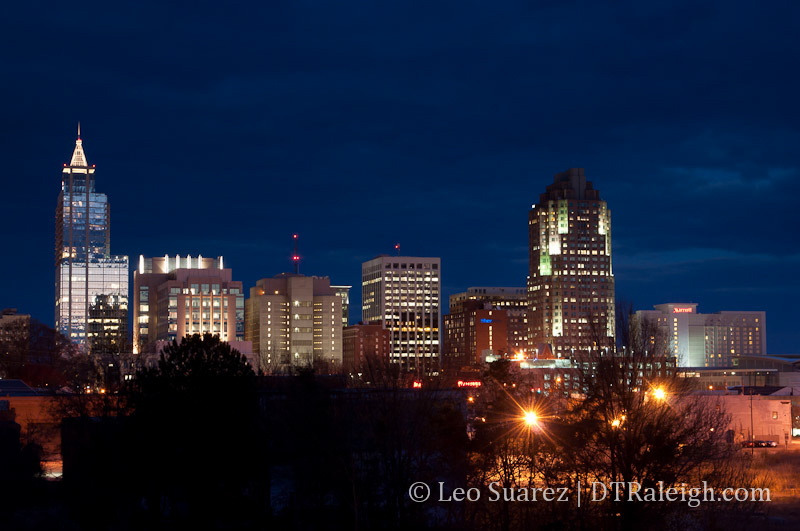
point(659, 393)
point(531, 419)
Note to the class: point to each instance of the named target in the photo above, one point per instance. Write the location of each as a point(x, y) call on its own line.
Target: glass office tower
point(85, 270)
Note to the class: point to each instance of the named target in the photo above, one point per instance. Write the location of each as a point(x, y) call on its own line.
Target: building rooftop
point(16, 388)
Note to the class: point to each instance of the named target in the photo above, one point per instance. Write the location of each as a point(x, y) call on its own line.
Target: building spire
point(78, 156)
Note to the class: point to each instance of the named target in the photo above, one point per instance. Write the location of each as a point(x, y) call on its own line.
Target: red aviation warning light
point(295, 256)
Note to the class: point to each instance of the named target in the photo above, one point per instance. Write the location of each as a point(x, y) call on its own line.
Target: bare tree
point(35, 353)
point(639, 427)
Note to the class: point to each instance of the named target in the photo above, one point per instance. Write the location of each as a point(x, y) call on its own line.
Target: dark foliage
point(190, 453)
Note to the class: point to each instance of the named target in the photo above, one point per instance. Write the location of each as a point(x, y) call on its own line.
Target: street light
point(659, 393)
point(531, 419)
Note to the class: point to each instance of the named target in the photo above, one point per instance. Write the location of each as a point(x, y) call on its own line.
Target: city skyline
point(328, 124)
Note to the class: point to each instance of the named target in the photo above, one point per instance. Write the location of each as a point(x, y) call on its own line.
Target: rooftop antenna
point(79, 129)
point(397, 248)
point(295, 256)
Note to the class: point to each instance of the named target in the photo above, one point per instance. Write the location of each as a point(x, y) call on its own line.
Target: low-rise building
point(363, 342)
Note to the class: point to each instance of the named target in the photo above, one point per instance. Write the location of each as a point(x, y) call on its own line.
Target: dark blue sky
point(222, 128)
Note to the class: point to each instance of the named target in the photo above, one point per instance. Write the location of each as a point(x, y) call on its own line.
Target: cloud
point(710, 180)
point(697, 255)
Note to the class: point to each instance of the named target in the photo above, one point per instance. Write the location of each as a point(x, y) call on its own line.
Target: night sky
point(222, 128)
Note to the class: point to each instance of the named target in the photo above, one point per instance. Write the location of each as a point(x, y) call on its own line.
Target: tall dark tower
point(571, 283)
point(91, 283)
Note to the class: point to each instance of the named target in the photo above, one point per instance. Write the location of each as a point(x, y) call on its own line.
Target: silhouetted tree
point(195, 440)
point(35, 353)
point(640, 425)
point(349, 456)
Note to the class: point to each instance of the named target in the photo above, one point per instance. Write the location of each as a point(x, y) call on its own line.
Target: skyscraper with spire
point(91, 283)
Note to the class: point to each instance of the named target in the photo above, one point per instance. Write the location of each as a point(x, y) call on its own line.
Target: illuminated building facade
point(402, 294)
point(708, 340)
point(571, 283)
point(361, 342)
point(295, 320)
point(473, 333)
point(107, 328)
point(514, 301)
point(178, 296)
point(344, 293)
point(85, 269)
point(500, 298)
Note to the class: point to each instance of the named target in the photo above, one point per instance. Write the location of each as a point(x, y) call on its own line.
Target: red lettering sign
point(681, 310)
point(469, 383)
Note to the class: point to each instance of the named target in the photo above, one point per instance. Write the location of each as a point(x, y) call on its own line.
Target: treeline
point(201, 442)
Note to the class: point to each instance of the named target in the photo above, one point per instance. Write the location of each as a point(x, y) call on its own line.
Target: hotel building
point(402, 294)
point(571, 282)
point(295, 320)
point(513, 301)
point(84, 267)
point(472, 334)
point(707, 340)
